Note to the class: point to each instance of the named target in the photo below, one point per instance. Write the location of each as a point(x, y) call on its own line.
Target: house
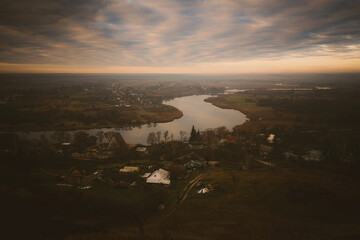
point(128, 169)
point(142, 151)
point(270, 139)
point(213, 163)
point(160, 176)
point(117, 142)
point(146, 175)
point(313, 155)
point(290, 156)
point(265, 149)
point(196, 147)
point(193, 164)
point(203, 190)
point(75, 177)
point(91, 154)
point(221, 142)
point(81, 177)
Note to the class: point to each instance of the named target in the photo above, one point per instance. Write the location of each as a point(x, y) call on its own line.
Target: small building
point(160, 176)
point(313, 155)
point(270, 139)
point(193, 164)
point(117, 142)
point(203, 190)
point(290, 156)
point(142, 151)
point(78, 176)
point(91, 154)
point(221, 142)
point(75, 177)
point(146, 175)
point(213, 163)
point(129, 169)
point(196, 147)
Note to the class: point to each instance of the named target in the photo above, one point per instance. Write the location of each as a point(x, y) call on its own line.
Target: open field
point(289, 110)
point(296, 201)
point(260, 117)
point(274, 204)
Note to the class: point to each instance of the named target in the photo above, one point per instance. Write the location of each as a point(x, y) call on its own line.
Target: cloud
point(175, 33)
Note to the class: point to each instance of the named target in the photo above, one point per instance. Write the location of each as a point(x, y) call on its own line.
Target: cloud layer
point(175, 33)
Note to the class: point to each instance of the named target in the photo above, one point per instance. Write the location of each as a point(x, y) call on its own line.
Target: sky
point(180, 36)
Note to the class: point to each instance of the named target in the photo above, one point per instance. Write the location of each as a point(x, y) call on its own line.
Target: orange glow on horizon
point(290, 65)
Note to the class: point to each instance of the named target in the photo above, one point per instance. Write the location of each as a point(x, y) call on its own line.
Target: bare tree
point(61, 136)
point(182, 135)
point(211, 139)
point(221, 131)
point(100, 135)
point(158, 134)
point(237, 134)
point(166, 135)
point(43, 140)
point(151, 138)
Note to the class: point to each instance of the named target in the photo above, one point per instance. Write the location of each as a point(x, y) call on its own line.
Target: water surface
point(196, 111)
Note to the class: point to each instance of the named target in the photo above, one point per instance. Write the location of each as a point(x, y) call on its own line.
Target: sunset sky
point(180, 36)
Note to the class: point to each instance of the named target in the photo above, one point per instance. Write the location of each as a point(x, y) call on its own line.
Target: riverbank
point(260, 118)
point(116, 119)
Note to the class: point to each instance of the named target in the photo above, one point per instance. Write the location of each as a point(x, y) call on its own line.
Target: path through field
point(183, 195)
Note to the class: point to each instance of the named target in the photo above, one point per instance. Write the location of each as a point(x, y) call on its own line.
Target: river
point(196, 111)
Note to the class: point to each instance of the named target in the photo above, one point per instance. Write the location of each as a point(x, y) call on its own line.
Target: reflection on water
point(196, 112)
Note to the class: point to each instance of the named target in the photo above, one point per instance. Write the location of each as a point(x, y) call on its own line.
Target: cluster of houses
point(312, 155)
point(101, 152)
point(128, 97)
point(176, 167)
point(162, 175)
point(87, 177)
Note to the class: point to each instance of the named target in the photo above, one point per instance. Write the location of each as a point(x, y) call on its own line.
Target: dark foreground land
point(259, 189)
point(287, 201)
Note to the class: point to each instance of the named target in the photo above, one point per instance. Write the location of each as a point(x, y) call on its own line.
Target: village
point(105, 159)
point(93, 180)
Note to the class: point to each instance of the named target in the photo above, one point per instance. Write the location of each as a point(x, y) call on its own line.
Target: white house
point(160, 176)
point(270, 139)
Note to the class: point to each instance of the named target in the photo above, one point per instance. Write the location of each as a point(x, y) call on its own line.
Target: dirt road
point(183, 195)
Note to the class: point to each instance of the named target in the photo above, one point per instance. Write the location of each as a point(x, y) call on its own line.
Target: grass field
point(260, 117)
point(288, 201)
point(273, 203)
point(289, 110)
